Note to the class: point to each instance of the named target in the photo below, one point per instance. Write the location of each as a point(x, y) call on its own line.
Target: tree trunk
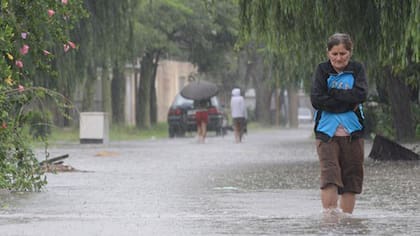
point(143, 95)
point(282, 108)
point(106, 93)
point(67, 110)
point(153, 103)
point(153, 96)
point(293, 106)
point(117, 93)
point(262, 105)
point(277, 102)
point(89, 89)
point(263, 91)
point(399, 99)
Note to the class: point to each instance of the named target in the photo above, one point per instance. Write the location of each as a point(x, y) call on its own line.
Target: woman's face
point(339, 57)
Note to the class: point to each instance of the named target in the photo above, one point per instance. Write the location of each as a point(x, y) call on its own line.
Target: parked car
point(305, 115)
point(181, 117)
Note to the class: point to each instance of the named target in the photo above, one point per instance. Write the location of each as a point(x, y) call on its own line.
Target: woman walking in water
point(338, 90)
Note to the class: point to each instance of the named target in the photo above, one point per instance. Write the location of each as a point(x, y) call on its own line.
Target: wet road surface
point(267, 185)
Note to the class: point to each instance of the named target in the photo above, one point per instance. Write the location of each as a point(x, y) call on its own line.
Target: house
point(171, 76)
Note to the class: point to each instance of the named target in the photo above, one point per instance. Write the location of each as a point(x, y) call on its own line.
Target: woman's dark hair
point(340, 38)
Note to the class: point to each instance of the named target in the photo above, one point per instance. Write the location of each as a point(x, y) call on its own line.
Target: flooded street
point(268, 185)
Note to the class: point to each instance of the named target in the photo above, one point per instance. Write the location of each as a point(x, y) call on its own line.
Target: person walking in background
point(339, 88)
point(202, 118)
point(239, 114)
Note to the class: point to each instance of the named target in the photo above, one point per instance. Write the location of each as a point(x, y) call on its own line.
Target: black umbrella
point(199, 90)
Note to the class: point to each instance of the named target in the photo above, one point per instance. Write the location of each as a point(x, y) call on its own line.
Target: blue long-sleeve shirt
point(337, 98)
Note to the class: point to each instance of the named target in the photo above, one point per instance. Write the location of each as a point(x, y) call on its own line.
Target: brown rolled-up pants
point(341, 163)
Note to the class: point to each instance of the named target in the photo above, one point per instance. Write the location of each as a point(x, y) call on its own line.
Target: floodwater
point(267, 185)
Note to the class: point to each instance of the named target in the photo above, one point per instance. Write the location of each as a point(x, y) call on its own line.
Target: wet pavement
point(267, 185)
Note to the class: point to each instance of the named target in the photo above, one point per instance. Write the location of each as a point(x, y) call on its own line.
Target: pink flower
point(4, 125)
point(21, 88)
point(46, 53)
point(24, 49)
point(72, 45)
point(51, 12)
point(24, 35)
point(64, 2)
point(66, 47)
point(19, 63)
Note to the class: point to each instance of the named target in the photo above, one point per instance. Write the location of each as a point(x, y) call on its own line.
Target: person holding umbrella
point(202, 118)
point(201, 92)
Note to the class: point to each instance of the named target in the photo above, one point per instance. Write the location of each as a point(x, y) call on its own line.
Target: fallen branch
point(53, 160)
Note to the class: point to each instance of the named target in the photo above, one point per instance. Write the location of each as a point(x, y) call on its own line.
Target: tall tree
point(157, 22)
point(184, 30)
point(399, 55)
point(102, 42)
point(385, 34)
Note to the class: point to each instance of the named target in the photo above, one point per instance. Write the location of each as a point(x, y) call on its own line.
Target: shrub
point(31, 32)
